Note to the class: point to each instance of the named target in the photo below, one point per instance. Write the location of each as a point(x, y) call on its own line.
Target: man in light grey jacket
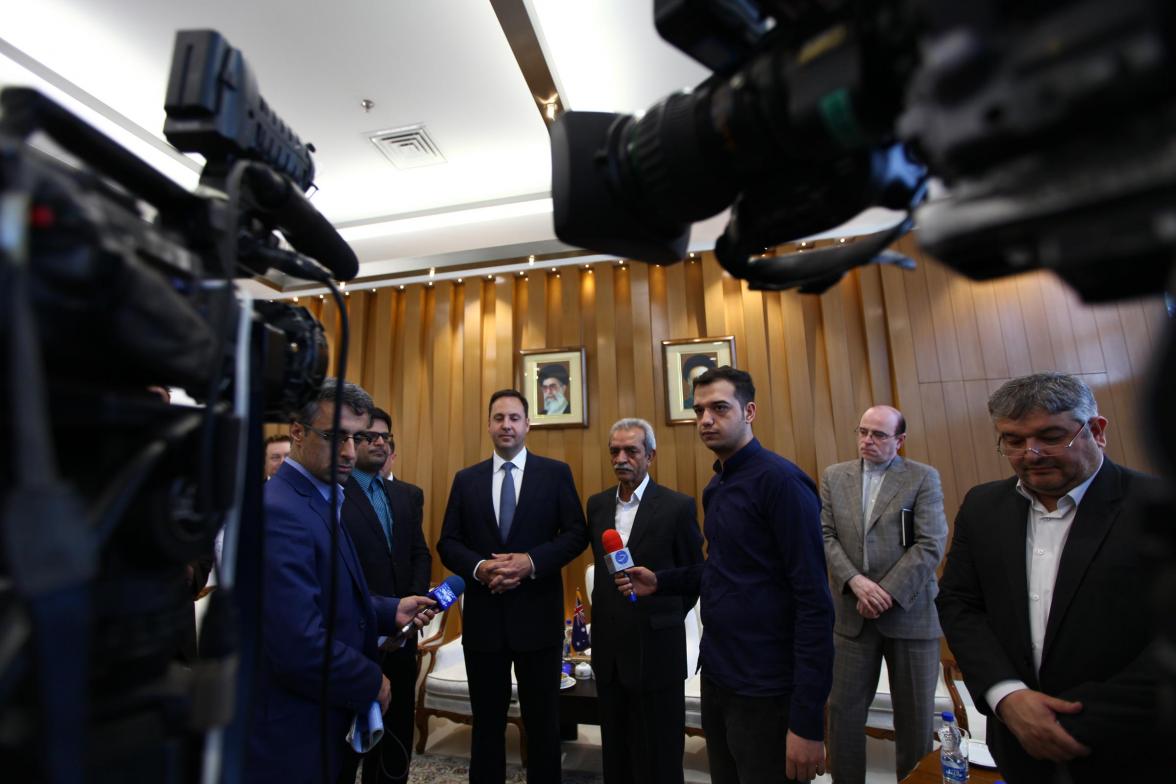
point(883, 580)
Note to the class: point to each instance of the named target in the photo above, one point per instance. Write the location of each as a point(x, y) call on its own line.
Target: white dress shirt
point(1045, 539)
point(627, 510)
point(519, 461)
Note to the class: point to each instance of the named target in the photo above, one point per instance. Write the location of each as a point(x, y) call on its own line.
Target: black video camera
point(115, 282)
point(1050, 123)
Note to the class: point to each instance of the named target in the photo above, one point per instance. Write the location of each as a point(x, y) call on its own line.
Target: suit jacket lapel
point(321, 508)
point(895, 477)
point(1096, 514)
point(484, 490)
point(1011, 520)
point(642, 520)
point(367, 511)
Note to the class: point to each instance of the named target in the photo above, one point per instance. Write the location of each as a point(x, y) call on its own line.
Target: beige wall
point(930, 342)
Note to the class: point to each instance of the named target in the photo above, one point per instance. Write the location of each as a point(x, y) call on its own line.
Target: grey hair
point(1053, 393)
point(353, 396)
point(633, 423)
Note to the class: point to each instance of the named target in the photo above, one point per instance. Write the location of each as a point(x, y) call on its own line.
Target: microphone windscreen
point(611, 540)
point(447, 592)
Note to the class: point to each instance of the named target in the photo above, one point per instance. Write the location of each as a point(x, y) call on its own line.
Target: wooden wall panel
point(930, 342)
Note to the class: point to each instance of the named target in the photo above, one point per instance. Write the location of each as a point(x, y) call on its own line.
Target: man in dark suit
point(511, 524)
point(384, 520)
point(284, 741)
point(639, 650)
point(1044, 601)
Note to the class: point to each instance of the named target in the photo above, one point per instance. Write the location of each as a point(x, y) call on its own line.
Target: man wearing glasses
point(1044, 599)
point(384, 520)
point(300, 562)
point(884, 528)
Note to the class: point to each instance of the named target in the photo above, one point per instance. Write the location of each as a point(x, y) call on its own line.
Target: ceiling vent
point(410, 147)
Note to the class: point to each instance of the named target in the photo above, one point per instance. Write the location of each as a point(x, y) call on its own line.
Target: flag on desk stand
point(580, 639)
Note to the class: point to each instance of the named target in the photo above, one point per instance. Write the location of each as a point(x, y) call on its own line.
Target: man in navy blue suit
point(511, 524)
point(284, 742)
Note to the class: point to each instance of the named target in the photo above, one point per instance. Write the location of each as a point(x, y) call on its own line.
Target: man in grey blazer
point(884, 581)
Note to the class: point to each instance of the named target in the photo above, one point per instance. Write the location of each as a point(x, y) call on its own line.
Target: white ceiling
point(444, 63)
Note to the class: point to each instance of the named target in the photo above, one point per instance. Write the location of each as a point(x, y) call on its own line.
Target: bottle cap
point(948, 716)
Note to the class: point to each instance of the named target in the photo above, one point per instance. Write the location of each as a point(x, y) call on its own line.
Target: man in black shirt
point(767, 645)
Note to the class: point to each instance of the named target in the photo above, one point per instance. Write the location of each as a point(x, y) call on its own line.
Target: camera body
point(1048, 123)
point(118, 284)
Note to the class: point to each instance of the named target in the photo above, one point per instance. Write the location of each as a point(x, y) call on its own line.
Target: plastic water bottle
point(953, 762)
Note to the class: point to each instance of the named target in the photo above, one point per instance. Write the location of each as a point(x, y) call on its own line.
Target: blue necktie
point(506, 501)
point(380, 504)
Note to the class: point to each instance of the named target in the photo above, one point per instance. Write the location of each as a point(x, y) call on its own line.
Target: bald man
point(883, 580)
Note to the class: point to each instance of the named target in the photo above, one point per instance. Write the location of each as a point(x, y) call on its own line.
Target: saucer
point(567, 682)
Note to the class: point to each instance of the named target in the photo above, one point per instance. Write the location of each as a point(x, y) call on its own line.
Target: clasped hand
point(872, 599)
point(502, 572)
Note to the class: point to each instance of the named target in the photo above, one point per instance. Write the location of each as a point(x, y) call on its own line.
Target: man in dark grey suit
point(639, 649)
point(885, 583)
point(511, 524)
point(384, 520)
point(1046, 601)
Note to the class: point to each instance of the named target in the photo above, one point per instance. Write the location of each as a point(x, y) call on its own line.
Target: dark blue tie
point(506, 501)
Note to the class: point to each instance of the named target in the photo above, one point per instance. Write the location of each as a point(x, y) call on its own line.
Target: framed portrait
point(554, 383)
point(685, 360)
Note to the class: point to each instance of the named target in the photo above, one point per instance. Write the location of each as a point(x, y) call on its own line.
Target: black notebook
point(908, 527)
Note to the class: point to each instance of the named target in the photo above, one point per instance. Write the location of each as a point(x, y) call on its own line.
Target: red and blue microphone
point(616, 556)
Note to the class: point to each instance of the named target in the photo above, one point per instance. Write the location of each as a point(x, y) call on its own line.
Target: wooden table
point(577, 705)
point(928, 772)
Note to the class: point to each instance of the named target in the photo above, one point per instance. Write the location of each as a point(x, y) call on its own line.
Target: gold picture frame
point(684, 360)
point(555, 377)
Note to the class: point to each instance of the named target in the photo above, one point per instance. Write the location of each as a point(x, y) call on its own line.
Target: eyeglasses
point(372, 436)
point(331, 435)
point(875, 435)
point(1051, 446)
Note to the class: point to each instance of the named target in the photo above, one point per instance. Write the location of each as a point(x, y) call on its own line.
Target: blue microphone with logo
point(616, 556)
point(444, 595)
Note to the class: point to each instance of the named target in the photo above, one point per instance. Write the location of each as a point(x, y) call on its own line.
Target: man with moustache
point(383, 518)
point(511, 524)
point(767, 641)
point(639, 650)
point(882, 519)
point(1044, 597)
point(284, 741)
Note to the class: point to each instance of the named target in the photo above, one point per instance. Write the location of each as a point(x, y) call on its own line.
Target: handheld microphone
point(616, 556)
point(444, 595)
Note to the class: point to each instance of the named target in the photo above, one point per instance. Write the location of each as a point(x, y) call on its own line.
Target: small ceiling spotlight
point(402, 287)
point(367, 104)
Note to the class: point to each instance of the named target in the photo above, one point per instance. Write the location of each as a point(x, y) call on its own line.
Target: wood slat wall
point(930, 342)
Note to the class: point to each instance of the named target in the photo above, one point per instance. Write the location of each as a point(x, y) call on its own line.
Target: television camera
point(1049, 124)
point(115, 280)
